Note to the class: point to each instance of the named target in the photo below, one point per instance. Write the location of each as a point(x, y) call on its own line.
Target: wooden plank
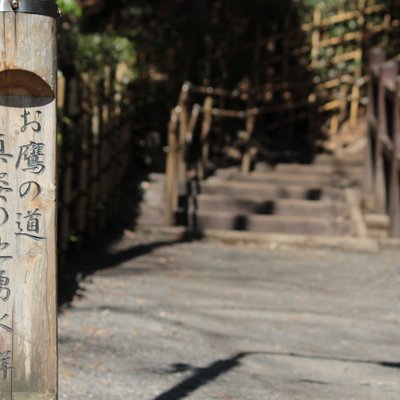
point(335, 41)
point(352, 55)
point(219, 112)
point(28, 329)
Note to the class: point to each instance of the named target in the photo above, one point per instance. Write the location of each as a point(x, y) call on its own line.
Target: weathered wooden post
point(247, 155)
point(204, 136)
point(28, 329)
point(376, 57)
point(394, 200)
point(388, 72)
point(171, 180)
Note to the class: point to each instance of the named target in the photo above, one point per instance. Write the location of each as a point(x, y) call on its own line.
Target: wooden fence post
point(388, 72)
point(183, 128)
point(28, 307)
point(171, 179)
point(315, 37)
point(376, 57)
point(394, 200)
point(204, 137)
point(247, 156)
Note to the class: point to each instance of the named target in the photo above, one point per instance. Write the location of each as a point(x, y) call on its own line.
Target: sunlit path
point(210, 321)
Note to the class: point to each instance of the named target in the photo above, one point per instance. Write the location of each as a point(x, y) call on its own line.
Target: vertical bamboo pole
point(28, 76)
point(315, 37)
point(341, 7)
point(355, 104)
point(355, 92)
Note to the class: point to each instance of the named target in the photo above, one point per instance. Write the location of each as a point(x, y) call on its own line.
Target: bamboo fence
point(332, 46)
point(94, 149)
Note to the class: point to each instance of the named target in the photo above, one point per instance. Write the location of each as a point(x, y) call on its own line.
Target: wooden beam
point(28, 307)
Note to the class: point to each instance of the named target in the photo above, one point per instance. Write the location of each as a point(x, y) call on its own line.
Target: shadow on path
point(203, 376)
point(101, 257)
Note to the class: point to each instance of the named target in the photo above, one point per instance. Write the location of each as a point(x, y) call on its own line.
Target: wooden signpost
point(28, 328)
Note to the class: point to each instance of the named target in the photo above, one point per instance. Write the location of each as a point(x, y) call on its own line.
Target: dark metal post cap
point(40, 7)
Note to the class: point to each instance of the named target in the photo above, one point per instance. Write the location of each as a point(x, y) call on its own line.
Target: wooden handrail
point(382, 172)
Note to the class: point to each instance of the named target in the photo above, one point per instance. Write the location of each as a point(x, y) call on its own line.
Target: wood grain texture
point(28, 208)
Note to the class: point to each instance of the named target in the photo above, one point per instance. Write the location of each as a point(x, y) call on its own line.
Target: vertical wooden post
point(394, 210)
point(171, 169)
point(183, 128)
point(355, 104)
point(247, 156)
point(315, 37)
point(388, 72)
point(342, 112)
point(28, 76)
point(376, 57)
point(204, 137)
point(355, 91)
point(194, 117)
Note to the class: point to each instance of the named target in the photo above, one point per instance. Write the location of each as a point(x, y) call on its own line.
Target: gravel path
point(203, 321)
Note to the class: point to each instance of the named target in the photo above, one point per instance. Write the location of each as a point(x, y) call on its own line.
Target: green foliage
point(70, 8)
point(81, 52)
point(314, 3)
point(104, 49)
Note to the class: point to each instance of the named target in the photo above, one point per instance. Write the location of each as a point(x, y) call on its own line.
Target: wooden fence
point(381, 186)
point(333, 46)
point(188, 119)
point(93, 151)
point(191, 134)
point(319, 72)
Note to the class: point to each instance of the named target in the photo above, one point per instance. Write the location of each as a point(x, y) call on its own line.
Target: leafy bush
point(81, 52)
point(102, 49)
point(70, 8)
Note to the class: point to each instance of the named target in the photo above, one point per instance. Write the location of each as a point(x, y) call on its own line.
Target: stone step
point(271, 223)
point(260, 192)
point(355, 160)
point(354, 173)
point(278, 177)
point(326, 208)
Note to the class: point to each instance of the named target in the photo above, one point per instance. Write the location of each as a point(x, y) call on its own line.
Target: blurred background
point(300, 64)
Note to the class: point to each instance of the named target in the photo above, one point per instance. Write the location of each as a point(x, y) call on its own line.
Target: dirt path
point(209, 321)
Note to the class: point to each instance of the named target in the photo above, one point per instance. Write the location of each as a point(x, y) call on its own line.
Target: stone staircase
point(320, 199)
point(317, 199)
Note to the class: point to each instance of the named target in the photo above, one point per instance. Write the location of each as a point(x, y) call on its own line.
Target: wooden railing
point(188, 119)
point(315, 72)
point(381, 186)
point(93, 152)
point(190, 133)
